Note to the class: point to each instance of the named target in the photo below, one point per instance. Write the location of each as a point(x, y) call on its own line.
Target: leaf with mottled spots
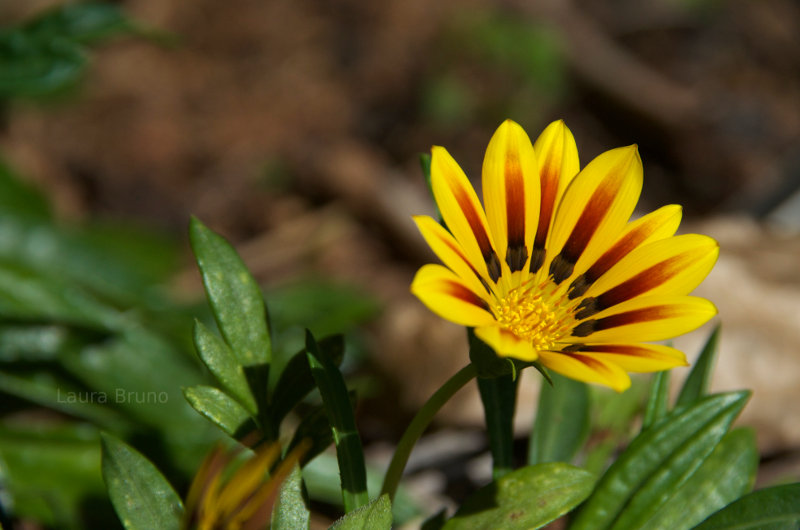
point(529, 497)
point(377, 515)
point(140, 494)
point(233, 294)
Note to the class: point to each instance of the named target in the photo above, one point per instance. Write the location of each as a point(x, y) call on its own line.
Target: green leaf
point(499, 398)
point(377, 515)
point(296, 381)
point(33, 67)
point(659, 460)
point(315, 427)
point(141, 495)
point(290, 511)
point(220, 408)
point(220, 361)
point(696, 384)
point(727, 474)
point(234, 295)
point(51, 470)
point(529, 497)
point(336, 401)
point(658, 400)
point(86, 23)
point(19, 199)
point(562, 421)
point(775, 508)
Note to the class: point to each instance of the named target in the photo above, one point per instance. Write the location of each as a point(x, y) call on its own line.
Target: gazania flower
point(553, 270)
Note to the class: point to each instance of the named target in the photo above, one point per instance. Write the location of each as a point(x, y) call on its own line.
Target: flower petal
point(462, 212)
point(656, 225)
point(637, 357)
point(557, 159)
point(511, 193)
point(505, 343)
point(586, 368)
point(593, 211)
point(447, 296)
point(452, 255)
point(646, 319)
point(675, 266)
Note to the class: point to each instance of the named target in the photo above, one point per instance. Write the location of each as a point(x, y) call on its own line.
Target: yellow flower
point(553, 270)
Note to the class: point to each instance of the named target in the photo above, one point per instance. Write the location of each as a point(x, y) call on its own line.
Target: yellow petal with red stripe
point(593, 211)
point(511, 193)
point(506, 344)
point(462, 212)
point(587, 369)
point(450, 252)
point(645, 319)
point(637, 357)
point(446, 295)
point(558, 163)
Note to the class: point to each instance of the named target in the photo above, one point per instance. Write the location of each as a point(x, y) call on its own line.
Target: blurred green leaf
point(85, 23)
point(296, 380)
point(529, 497)
point(377, 515)
point(20, 199)
point(32, 67)
point(775, 508)
point(233, 294)
point(659, 460)
point(658, 401)
point(696, 384)
point(220, 361)
point(52, 474)
point(562, 421)
point(499, 398)
point(727, 474)
point(220, 408)
point(313, 426)
point(336, 401)
point(141, 495)
point(290, 511)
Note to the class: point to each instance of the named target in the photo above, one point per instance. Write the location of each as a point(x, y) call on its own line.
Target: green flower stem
point(419, 424)
point(499, 397)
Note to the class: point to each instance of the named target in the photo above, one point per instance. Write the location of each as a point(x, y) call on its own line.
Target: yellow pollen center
point(532, 314)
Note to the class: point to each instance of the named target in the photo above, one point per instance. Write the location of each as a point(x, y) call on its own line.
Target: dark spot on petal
point(561, 268)
point(537, 259)
point(584, 329)
point(587, 308)
point(493, 265)
point(579, 286)
point(516, 256)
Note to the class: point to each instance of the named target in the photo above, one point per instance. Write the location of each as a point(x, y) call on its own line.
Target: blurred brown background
point(294, 128)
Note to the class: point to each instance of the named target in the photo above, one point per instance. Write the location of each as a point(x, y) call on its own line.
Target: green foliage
point(658, 401)
point(48, 54)
point(775, 508)
point(377, 515)
point(529, 497)
point(141, 495)
point(290, 511)
point(696, 383)
point(499, 396)
point(562, 421)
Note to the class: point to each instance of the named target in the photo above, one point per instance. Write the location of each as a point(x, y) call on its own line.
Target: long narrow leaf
point(220, 408)
point(562, 421)
point(658, 401)
point(696, 384)
point(336, 401)
point(775, 508)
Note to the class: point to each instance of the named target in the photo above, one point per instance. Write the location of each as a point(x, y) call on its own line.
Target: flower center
point(533, 313)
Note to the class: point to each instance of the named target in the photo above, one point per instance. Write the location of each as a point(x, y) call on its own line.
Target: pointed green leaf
point(529, 497)
point(296, 380)
point(336, 401)
point(220, 408)
point(727, 474)
point(290, 511)
point(775, 508)
point(675, 471)
point(220, 361)
point(645, 463)
point(696, 384)
point(658, 401)
point(377, 515)
point(499, 398)
point(562, 421)
point(141, 495)
point(234, 295)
